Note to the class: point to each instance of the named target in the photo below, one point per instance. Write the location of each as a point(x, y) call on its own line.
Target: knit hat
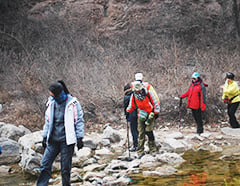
point(56, 88)
point(230, 75)
point(195, 75)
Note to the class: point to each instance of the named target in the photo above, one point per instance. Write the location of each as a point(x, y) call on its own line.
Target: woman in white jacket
point(63, 128)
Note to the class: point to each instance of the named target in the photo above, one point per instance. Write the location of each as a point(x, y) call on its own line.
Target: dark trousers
point(51, 152)
point(197, 115)
point(134, 131)
point(231, 109)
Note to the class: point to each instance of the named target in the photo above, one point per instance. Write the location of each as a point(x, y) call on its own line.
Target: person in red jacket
point(196, 100)
point(148, 109)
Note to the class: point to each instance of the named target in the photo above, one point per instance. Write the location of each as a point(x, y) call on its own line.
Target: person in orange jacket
point(148, 109)
point(196, 100)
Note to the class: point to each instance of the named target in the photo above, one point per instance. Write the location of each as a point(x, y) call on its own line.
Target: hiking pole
point(180, 117)
point(180, 113)
point(128, 140)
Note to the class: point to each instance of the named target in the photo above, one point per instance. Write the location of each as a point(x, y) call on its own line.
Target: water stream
point(201, 168)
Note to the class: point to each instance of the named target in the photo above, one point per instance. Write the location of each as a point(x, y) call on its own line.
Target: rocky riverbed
point(105, 160)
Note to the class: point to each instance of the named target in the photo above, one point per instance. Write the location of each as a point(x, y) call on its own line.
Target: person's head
point(195, 76)
point(137, 86)
point(138, 77)
point(230, 76)
point(57, 92)
point(55, 89)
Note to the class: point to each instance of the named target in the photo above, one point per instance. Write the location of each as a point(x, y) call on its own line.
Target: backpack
point(204, 91)
point(149, 87)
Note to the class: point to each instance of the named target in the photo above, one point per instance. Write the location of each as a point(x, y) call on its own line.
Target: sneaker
point(133, 149)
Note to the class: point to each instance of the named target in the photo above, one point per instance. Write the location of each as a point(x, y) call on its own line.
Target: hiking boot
point(133, 149)
point(152, 147)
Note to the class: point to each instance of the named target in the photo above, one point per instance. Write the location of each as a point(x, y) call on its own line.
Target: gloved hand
point(151, 115)
point(156, 116)
point(79, 143)
point(127, 115)
point(44, 142)
point(180, 103)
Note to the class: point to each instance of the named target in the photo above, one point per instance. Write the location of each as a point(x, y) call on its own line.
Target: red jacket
point(149, 103)
point(195, 97)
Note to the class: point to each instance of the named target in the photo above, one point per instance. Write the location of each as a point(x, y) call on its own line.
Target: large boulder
point(13, 132)
point(10, 151)
point(111, 134)
point(30, 153)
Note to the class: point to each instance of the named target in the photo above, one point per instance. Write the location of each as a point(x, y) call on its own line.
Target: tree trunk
point(236, 16)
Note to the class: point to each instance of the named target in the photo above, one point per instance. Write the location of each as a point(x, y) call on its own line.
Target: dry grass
point(98, 81)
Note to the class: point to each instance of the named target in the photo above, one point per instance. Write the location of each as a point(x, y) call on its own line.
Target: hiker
point(196, 99)
point(131, 118)
point(231, 97)
point(0, 150)
point(148, 109)
point(63, 128)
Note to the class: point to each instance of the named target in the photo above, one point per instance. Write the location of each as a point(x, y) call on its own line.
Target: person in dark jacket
point(132, 117)
point(196, 100)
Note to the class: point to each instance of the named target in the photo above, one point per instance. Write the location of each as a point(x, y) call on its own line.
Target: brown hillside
point(96, 46)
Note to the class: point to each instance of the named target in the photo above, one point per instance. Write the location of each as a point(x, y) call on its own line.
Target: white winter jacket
point(73, 120)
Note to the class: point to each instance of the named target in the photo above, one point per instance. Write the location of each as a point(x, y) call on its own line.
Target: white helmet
point(138, 76)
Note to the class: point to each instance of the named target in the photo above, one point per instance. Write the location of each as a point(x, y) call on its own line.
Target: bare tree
point(236, 16)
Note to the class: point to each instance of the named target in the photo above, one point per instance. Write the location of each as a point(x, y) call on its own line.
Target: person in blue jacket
point(63, 128)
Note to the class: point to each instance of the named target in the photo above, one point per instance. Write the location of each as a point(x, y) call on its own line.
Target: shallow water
point(16, 179)
point(201, 168)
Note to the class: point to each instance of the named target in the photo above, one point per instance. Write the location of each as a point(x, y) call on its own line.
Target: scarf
point(140, 95)
point(61, 98)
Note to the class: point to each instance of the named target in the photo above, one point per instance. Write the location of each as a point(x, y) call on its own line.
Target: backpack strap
point(233, 97)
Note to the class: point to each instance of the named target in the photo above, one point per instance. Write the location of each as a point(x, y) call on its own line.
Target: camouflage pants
point(143, 130)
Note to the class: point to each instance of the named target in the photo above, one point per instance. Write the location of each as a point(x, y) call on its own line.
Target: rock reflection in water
point(201, 168)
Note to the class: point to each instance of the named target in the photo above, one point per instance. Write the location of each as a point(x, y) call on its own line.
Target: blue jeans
point(134, 131)
point(133, 126)
point(51, 152)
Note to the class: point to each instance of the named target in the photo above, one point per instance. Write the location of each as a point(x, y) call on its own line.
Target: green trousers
point(143, 130)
